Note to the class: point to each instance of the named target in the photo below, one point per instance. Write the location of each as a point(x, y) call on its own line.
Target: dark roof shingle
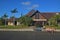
point(45, 14)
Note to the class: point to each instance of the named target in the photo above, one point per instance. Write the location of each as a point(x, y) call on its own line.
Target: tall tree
point(4, 17)
point(13, 12)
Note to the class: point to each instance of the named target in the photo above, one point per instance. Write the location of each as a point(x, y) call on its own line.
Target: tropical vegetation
point(53, 21)
point(25, 20)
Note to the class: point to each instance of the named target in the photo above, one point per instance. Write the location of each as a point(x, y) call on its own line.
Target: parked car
point(38, 29)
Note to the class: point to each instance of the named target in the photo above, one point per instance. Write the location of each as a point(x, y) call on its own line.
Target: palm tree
point(5, 17)
point(13, 12)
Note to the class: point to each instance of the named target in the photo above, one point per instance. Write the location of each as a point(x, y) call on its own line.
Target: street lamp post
point(5, 20)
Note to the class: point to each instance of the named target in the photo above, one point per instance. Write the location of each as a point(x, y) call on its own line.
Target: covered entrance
point(40, 22)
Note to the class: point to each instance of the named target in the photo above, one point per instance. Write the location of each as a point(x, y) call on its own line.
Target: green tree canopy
point(53, 20)
point(5, 16)
point(3, 19)
point(25, 20)
point(14, 10)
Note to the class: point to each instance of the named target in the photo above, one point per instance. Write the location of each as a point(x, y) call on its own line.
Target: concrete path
point(16, 30)
point(58, 30)
point(28, 29)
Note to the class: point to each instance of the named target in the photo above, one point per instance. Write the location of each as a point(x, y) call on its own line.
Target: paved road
point(29, 35)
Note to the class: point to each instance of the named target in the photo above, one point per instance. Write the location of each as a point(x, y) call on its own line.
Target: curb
point(16, 30)
point(58, 30)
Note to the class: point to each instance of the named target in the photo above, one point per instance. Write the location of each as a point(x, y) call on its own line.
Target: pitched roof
point(12, 19)
point(31, 12)
point(48, 15)
point(45, 14)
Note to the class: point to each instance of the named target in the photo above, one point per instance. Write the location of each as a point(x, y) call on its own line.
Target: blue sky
point(24, 6)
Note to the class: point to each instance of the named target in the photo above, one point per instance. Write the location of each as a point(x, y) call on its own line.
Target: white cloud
point(30, 5)
point(26, 3)
point(35, 6)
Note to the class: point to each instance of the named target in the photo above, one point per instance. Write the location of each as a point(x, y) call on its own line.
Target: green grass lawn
point(13, 27)
point(58, 27)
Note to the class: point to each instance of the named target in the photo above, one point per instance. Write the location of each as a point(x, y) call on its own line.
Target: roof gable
point(32, 12)
point(46, 15)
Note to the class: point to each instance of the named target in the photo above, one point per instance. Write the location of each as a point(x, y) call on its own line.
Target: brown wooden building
point(13, 21)
point(40, 18)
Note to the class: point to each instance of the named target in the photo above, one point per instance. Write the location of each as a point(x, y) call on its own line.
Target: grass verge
point(13, 27)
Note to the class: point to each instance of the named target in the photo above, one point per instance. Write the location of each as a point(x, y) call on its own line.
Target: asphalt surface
point(36, 35)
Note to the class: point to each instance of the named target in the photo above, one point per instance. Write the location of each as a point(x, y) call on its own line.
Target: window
point(37, 16)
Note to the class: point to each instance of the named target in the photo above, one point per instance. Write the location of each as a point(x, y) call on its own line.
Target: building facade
point(41, 18)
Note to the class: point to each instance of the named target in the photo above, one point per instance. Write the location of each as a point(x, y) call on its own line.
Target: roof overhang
point(39, 19)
